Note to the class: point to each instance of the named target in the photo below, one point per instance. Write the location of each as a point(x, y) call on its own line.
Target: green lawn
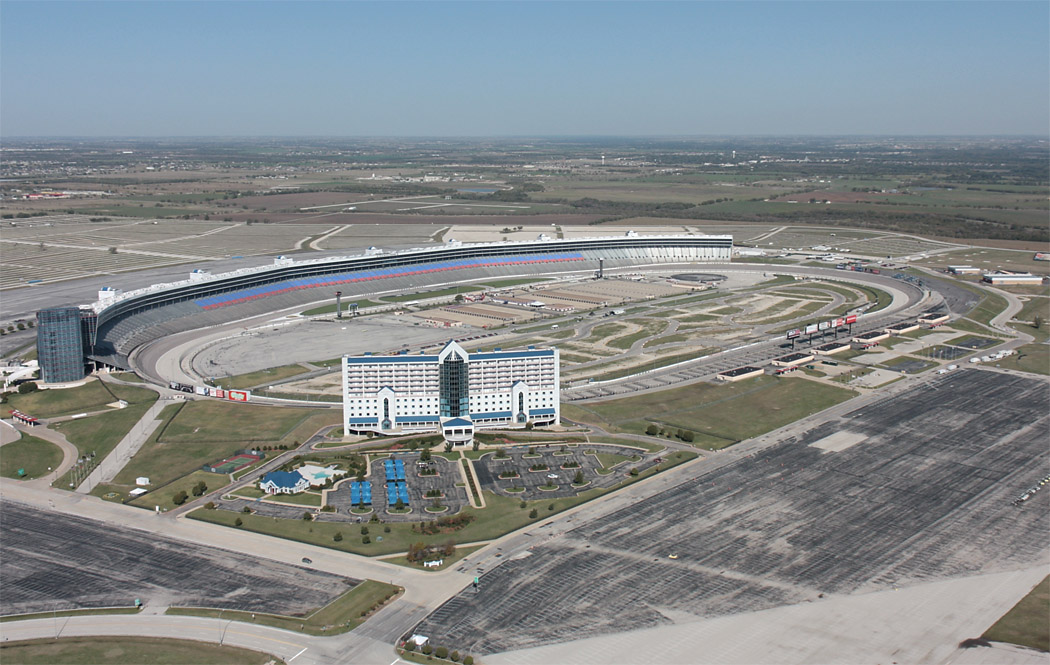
point(263, 376)
point(342, 614)
point(722, 414)
point(161, 496)
point(101, 433)
point(199, 432)
point(1028, 623)
point(92, 396)
point(127, 651)
point(330, 309)
point(303, 499)
point(449, 561)
point(500, 516)
point(1033, 358)
point(29, 453)
point(441, 293)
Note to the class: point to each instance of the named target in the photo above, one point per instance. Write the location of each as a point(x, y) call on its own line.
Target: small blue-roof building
point(284, 482)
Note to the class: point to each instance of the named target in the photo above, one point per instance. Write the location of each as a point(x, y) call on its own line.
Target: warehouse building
point(453, 392)
point(1007, 278)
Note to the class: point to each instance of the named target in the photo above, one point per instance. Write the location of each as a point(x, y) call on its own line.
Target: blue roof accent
point(456, 422)
point(283, 478)
point(491, 414)
point(390, 359)
point(418, 419)
point(541, 412)
point(362, 421)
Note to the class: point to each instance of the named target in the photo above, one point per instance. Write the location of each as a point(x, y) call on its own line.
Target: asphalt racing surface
point(52, 561)
point(913, 489)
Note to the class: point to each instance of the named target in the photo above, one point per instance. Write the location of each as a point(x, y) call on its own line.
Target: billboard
point(823, 325)
point(811, 328)
point(792, 334)
point(201, 390)
point(217, 392)
point(238, 395)
point(851, 319)
point(838, 323)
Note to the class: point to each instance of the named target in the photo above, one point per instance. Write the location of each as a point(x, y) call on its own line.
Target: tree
point(307, 516)
point(533, 513)
point(689, 437)
point(210, 506)
point(441, 652)
point(28, 387)
point(468, 660)
point(246, 510)
point(179, 498)
point(364, 530)
point(338, 536)
point(200, 488)
point(1037, 322)
point(578, 478)
point(454, 656)
point(425, 455)
point(652, 430)
point(400, 505)
point(238, 522)
point(365, 540)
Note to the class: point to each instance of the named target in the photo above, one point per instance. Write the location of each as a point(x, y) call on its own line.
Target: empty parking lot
point(50, 561)
point(918, 488)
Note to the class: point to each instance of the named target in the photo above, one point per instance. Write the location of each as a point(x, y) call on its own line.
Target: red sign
point(792, 334)
point(851, 319)
point(238, 395)
point(838, 323)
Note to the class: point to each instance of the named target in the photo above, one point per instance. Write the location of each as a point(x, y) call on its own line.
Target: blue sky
point(530, 68)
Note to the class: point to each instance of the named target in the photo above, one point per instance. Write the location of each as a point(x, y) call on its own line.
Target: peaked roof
point(457, 422)
point(283, 478)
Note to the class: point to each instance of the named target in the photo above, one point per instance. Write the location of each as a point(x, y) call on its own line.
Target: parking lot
point(50, 561)
point(518, 460)
point(920, 490)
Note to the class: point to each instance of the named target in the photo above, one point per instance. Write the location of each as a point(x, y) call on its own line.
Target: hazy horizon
point(524, 70)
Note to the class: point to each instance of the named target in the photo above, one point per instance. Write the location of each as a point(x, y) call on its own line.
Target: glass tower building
point(60, 345)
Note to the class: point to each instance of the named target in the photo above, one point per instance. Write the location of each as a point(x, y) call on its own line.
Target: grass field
point(29, 453)
point(263, 376)
point(442, 293)
point(501, 515)
point(1028, 623)
point(1036, 306)
point(722, 414)
point(195, 433)
point(504, 283)
point(92, 396)
point(127, 651)
point(101, 433)
point(344, 613)
point(1034, 358)
point(448, 560)
point(330, 309)
point(161, 496)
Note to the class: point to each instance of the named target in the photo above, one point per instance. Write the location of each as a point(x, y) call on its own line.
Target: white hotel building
point(452, 392)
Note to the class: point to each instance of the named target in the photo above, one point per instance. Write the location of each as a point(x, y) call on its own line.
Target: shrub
point(338, 536)
point(689, 436)
point(454, 656)
point(427, 649)
point(578, 478)
point(210, 505)
point(179, 498)
point(441, 652)
point(365, 540)
point(386, 528)
point(634, 471)
point(533, 513)
point(28, 387)
point(246, 509)
point(410, 646)
point(238, 522)
point(307, 516)
point(652, 430)
point(364, 530)
point(468, 660)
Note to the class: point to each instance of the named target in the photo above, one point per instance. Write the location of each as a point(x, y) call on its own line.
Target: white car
point(552, 475)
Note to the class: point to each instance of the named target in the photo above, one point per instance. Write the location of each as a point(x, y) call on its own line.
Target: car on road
point(672, 556)
point(552, 475)
point(305, 560)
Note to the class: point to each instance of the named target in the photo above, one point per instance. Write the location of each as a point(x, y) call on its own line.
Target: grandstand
point(131, 319)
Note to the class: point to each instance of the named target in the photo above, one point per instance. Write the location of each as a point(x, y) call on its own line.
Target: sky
point(524, 68)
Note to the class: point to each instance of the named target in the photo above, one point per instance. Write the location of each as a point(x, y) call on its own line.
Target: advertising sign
point(238, 395)
point(217, 392)
point(851, 319)
point(838, 323)
point(811, 328)
point(792, 334)
point(200, 390)
point(823, 325)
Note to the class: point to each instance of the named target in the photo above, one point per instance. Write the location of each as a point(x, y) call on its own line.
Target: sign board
point(792, 334)
point(217, 392)
point(200, 390)
point(851, 319)
point(838, 323)
point(238, 395)
point(811, 328)
point(823, 325)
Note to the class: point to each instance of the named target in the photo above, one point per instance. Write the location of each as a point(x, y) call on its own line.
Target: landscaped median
point(342, 614)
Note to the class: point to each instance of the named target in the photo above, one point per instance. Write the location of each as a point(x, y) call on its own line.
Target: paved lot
point(489, 467)
point(922, 492)
point(54, 561)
